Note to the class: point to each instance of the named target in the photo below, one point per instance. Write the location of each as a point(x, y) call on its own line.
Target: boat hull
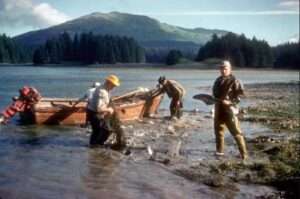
point(60, 111)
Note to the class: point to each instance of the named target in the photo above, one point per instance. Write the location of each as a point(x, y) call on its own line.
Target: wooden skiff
point(61, 110)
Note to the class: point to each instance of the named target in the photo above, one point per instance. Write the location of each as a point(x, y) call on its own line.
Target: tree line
point(88, 48)
point(174, 57)
point(11, 52)
point(244, 52)
point(287, 55)
point(240, 50)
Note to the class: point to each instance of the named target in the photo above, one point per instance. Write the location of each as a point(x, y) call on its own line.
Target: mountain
point(144, 29)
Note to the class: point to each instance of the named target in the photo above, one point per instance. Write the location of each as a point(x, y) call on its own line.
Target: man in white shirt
point(89, 93)
point(99, 108)
point(88, 98)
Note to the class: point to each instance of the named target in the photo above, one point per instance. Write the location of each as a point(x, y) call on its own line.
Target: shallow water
point(73, 81)
point(55, 162)
point(38, 162)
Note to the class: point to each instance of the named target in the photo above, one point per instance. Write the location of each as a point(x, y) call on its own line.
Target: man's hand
point(178, 104)
point(75, 103)
point(110, 110)
point(2, 120)
point(226, 102)
point(106, 111)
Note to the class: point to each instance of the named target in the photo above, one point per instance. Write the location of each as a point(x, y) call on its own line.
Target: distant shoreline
point(192, 66)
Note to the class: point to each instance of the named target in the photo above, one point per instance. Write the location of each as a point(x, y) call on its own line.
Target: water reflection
point(102, 170)
point(110, 174)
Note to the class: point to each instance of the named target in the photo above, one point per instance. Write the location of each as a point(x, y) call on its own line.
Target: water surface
point(55, 162)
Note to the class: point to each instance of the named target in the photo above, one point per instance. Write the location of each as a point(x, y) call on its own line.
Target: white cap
point(96, 84)
point(226, 63)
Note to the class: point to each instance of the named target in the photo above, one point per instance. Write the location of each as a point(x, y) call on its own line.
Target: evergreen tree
point(38, 56)
point(125, 50)
point(11, 52)
point(173, 57)
point(240, 50)
point(287, 55)
point(52, 50)
point(76, 48)
point(89, 48)
point(239, 59)
point(83, 48)
point(65, 43)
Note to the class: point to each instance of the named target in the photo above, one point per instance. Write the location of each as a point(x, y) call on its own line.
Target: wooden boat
point(61, 110)
point(136, 107)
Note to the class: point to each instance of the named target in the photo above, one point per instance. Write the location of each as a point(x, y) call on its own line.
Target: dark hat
point(161, 79)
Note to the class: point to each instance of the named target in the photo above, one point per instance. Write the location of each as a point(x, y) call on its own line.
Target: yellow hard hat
point(113, 79)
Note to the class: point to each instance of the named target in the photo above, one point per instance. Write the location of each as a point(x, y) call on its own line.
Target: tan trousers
point(229, 120)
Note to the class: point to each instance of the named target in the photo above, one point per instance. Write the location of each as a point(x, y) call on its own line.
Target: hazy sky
point(273, 20)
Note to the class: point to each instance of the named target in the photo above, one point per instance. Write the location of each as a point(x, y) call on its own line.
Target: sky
point(275, 21)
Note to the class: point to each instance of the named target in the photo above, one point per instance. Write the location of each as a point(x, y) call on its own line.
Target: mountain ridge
point(140, 27)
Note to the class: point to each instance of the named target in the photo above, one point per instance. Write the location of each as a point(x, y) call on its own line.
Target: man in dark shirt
point(227, 90)
point(175, 91)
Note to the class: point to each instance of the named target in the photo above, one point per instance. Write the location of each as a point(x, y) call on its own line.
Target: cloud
point(289, 4)
point(48, 14)
point(223, 13)
point(25, 12)
point(294, 38)
point(285, 7)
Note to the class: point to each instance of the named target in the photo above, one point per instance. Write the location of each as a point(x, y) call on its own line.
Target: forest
point(11, 52)
point(253, 53)
point(87, 48)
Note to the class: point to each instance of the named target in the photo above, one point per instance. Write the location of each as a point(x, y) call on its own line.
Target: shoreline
point(188, 66)
point(272, 141)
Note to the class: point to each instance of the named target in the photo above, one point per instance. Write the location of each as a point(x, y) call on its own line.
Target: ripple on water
point(57, 163)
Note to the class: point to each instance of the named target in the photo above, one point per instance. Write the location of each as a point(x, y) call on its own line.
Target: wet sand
point(186, 147)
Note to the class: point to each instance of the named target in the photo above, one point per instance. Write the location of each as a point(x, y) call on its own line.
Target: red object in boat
point(27, 97)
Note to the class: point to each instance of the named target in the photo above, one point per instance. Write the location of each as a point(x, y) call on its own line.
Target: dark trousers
point(100, 131)
point(88, 117)
point(176, 107)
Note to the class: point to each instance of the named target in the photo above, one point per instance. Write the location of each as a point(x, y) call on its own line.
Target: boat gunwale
point(62, 106)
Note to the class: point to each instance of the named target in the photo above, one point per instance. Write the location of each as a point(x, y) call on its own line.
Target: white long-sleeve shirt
point(99, 98)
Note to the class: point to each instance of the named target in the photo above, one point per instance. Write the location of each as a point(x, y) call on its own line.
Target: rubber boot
point(220, 144)
point(240, 140)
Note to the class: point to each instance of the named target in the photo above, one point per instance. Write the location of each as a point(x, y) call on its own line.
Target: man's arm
point(104, 109)
point(157, 91)
point(84, 98)
point(215, 88)
point(238, 91)
point(103, 103)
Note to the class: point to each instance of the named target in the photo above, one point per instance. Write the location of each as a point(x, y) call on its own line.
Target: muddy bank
point(277, 106)
point(186, 147)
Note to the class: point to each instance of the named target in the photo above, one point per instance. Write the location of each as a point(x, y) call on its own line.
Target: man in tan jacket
point(175, 91)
